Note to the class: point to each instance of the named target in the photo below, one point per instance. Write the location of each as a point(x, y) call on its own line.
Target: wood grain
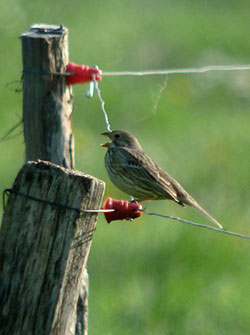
point(44, 248)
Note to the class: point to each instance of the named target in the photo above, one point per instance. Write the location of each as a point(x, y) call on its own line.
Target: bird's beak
point(107, 133)
point(107, 144)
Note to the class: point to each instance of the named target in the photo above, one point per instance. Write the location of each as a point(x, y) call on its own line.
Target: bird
point(135, 173)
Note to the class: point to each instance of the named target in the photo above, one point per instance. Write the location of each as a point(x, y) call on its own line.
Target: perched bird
point(136, 174)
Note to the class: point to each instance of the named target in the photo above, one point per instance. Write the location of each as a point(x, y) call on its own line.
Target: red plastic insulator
point(123, 209)
point(82, 74)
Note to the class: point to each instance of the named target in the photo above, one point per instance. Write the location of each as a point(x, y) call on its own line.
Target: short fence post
point(44, 246)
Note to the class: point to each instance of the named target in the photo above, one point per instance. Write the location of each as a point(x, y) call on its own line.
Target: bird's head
point(120, 138)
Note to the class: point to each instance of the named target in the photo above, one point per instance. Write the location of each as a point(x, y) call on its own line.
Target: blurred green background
point(155, 276)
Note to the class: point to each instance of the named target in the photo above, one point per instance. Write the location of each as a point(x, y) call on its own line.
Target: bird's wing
point(147, 172)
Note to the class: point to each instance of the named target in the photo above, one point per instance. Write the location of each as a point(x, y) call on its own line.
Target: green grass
point(155, 276)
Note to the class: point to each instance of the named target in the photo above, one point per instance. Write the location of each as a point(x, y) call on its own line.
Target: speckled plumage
point(136, 174)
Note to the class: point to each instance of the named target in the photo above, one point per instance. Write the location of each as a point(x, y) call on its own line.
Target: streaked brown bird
point(136, 174)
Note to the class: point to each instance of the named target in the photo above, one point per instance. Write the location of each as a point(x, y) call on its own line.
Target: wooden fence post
point(47, 100)
point(47, 113)
point(44, 246)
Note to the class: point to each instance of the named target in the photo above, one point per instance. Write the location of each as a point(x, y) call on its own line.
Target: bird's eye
point(117, 135)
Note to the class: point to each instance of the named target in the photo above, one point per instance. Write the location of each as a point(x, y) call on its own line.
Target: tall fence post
point(47, 113)
point(47, 100)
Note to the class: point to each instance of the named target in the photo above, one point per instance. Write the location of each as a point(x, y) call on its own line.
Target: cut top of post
point(42, 30)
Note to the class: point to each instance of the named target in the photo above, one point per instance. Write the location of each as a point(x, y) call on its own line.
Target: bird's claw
point(133, 200)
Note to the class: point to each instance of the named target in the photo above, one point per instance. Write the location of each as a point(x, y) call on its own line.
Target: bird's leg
point(146, 199)
point(136, 201)
point(132, 199)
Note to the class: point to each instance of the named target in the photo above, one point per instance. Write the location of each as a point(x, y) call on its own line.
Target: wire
point(197, 70)
point(101, 210)
point(7, 191)
point(197, 224)
point(177, 71)
point(102, 106)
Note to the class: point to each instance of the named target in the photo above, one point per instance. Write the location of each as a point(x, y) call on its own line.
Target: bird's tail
point(193, 203)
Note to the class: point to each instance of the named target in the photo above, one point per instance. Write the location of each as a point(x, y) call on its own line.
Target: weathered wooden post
point(47, 100)
point(47, 112)
point(44, 245)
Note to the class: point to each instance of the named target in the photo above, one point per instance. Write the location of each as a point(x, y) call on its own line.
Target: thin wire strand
point(197, 224)
point(161, 89)
point(198, 70)
point(194, 70)
point(9, 190)
point(177, 71)
point(45, 73)
point(102, 105)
